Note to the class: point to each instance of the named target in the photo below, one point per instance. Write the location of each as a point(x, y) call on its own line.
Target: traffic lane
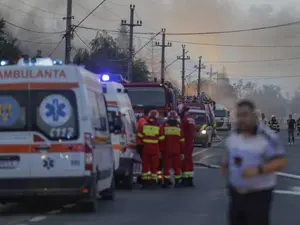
point(216, 148)
point(284, 209)
point(293, 155)
point(197, 205)
point(18, 213)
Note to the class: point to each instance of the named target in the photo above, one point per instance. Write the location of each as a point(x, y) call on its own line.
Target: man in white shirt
point(253, 154)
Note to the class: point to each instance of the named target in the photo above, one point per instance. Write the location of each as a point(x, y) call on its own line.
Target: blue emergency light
point(3, 63)
point(111, 78)
point(39, 62)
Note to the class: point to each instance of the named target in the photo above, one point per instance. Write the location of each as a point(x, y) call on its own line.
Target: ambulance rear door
point(15, 139)
point(58, 147)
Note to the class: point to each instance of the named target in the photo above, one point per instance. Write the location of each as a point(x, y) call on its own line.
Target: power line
point(201, 43)
point(238, 30)
point(263, 78)
point(33, 6)
point(110, 10)
point(38, 42)
point(114, 3)
point(58, 44)
point(95, 15)
point(229, 45)
point(254, 61)
point(89, 47)
point(216, 32)
point(33, 31)
point(101, 3)
point(33, 15)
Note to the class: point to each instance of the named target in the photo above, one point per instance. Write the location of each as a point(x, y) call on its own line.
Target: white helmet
point(272, 116)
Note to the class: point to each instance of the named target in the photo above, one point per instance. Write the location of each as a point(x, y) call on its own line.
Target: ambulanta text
point(39, 74)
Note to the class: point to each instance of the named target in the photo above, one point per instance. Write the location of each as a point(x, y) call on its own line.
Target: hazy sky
point(179, 16)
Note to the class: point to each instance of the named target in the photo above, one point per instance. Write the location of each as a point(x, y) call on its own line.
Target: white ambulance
point(123, 138)
point(54, 134)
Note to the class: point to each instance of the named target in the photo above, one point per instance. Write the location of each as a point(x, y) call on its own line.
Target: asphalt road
point(204, 204)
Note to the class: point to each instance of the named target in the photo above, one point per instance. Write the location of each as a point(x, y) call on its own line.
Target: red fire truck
point(151, 95)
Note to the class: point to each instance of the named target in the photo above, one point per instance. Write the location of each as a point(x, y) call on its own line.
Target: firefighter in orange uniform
point(188, 129)
point(142, 120)
point(151, 135)
point(172, 149)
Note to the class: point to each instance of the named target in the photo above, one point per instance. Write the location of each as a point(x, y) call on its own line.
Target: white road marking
point(37, 218)
point(297, 189)
point(290, 175)
point(199, 152)
point(286, 192)
point(54, 211)
point(69, 206)
point(200, 167)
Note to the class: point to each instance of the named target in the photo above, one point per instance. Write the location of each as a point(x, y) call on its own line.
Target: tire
point(109, 194)
point(91, 204)
point(128, 180)
point(229, 128)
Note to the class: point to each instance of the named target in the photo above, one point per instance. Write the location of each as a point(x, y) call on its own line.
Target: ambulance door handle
point(44, 148)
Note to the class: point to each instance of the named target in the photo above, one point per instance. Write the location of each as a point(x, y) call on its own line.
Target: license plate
point(8, 164)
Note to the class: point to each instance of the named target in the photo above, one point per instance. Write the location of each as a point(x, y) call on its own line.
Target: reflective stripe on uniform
point(161, 138)
point(146, 176)
point(150, 141)
point(149, 130)
point(188, 174)
point(172, 131)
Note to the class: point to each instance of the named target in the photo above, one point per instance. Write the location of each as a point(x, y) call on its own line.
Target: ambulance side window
point(103, 112)
point(95, 110)
point(132, 121)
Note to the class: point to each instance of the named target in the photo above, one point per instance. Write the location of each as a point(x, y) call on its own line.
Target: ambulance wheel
point(128, 180)
point(109, 194)
point(91, 204)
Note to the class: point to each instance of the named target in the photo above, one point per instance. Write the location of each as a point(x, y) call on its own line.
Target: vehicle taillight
point(88, 151)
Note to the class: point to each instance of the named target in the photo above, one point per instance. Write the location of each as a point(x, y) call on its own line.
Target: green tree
point(294, 103)
point(9, 49)
point(82, 56)
point(269, 100)
point(140, 72)
point(106, 56)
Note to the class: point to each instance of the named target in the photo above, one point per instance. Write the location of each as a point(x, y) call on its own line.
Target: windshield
point(51, 113)
point(199, 118)
point(220, 113)
point(147, 96)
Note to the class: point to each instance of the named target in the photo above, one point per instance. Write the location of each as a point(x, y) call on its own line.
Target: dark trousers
point(291, 136)
point(139, 149)
point(249, 209)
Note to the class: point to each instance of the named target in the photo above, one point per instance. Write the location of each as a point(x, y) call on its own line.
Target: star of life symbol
point(48, 163)
point(55, 110)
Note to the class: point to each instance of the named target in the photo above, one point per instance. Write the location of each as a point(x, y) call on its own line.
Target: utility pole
point(183, 57)
point(163, 46)
point(69, 32)
point(199, 67)
point(131, 25)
